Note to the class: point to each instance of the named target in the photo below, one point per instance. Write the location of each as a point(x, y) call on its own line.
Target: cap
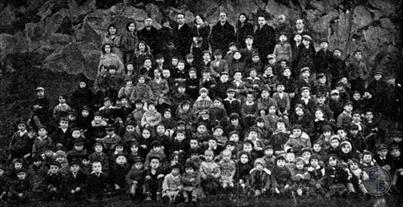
point(230, 90)
point(381, 147)
point(40, 88)
point(232, 44)
point(303, 88)
point(271, 56)
point(217, 52)
point(137, 159)
point(203, 90)
point(234, 116)
point(333, 92)
point(305, 69)
point(268, 147)
point(249, 36)
point(348, 103)
point(307, 37)
point(189, 56)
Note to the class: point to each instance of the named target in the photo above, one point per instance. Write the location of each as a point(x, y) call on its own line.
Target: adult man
point(150, 35)
point(222, 34)
point(265, 38)
point(183, 36)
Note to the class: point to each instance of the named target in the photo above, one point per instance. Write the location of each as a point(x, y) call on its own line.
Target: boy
point(260, 178)
point(96, 183)
point(172, 184)
point(301, 177)
point(20, 144)
point(191, 183)
point(345, 118)
point(210, 173)
point(74, 182)
point(53, 182)
point(135, 177)
point(111, 139)
point(281, 177)
point(282, 99)
point(153, 179)
point(227, 167)
point(20, 189)
point(335, 177)
point(42, 141)
point(99, 156)
point(232, 104)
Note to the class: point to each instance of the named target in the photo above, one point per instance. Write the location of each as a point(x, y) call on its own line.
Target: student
point(154, 178)
point(96, 183)
point(75, 182)
point(20, 188)
point(210, 173)
point(191, 181)
point(20, 144)
point(281, 178)
point(260, 181)
point(172, 184)
point(135, 178)
point(53, 183)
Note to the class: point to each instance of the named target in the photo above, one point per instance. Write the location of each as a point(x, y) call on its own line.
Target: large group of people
point(184, 112)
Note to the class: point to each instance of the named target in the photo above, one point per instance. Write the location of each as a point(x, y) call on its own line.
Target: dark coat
point(183, 39)
point(150, 36)
point(242, 30)
point(221, 36)
point(265, 40)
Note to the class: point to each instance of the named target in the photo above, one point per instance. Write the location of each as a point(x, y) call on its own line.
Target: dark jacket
point(265, 40)
point(221, 36)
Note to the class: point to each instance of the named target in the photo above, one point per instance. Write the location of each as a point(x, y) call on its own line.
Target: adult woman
point(113, 38)
point(110, 59)
point(129, 42)
point(202, 31)
point(243, 28)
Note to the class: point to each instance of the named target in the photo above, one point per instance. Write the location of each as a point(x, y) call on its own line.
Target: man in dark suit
point(183, 36)
point(149, 34)
point(265, 38)
point(222, 34)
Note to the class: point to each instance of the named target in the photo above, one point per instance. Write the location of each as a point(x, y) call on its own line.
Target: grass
point(224, 200)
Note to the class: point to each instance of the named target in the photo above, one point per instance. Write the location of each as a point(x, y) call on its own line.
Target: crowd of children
point(222, 112)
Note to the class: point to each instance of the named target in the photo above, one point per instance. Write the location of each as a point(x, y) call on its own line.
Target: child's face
point(341, 133)
point(369, 115)
point(201, 128)
point(265, 94)
point(299, 111)
point(83, 84)
point(180, 136)
point(42, 132)
point(230, 94)
point(154, 163)
point(74, 168)
point(186, 107)
point(139, 105)
point(21, 176)
point(203, 94)
point(324, 45)
point(287, 72)
point(17, 165)
point(249, 98)
point(356, 117)
point(395, 152)
point(269, 152)
point(317, 147)
point(206, 56)
point(226, 156)
point(174, 61)
point(217, 103)
point(332, 162)
point(234, 138)
point(337, 53)
point(383, 152)
point(283, 38)
point(167, 115)
point(314, 162)
point(321, 100)
point(212, 143)
point(138, 165)
point(306, 74)
point(181, 66)
point(290, 157)
point(346, 148)
point(160, 129)
point(98, 148)
point(76, 134)
point(166, 74)
point(280, 163)
point(209, 156)
point(134, 148)
point(255, 59)
point(119, 148)
point(348, 108)
point(78, 147)
point(259, 166)
point(121, 160)
point(327, 133)
point(272, 61)
point(237, 55)
point(354, 166)
point(189, 170)
point(130, 128)
point(175, 171)
point(280, 88)
point(192, 74)
point(193, 143)
point(244, 159)
point(97, 167)
point(280, 125)
point(299, 165)
point(319, 114)
point(367, 158)
point(147, 63)
point(54, 169)
point(305, 93)
point(181, 89)
point(218, 132)
point(224, 78)
point(247, 147)
point(253, 135)
point(297, 132)
point(260, 124)
point(22, 127)
point(146, 134)
point(306, 155)
point(334, 143)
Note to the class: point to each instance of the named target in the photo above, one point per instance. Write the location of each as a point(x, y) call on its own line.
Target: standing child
point(96, 182)
point(210, 173)
point(153, 179)
point(335, 178)
point(227, 167)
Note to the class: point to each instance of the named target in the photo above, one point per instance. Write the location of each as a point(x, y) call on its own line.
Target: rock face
point(69, 32)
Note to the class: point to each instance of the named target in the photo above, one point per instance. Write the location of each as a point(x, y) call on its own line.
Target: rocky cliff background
point(53, 42)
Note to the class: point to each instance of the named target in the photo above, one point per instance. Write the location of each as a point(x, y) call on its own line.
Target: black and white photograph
point(201, 103)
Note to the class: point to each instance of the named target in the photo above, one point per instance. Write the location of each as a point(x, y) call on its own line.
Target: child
point(203, 102)
point(301, 177)
point(227, 167)
point(74, 182)
point(118, 173)
point(279, 137)
point(42, 141)
point(298, 139)
point(96, 182)
point(282, 50)
point(253, 82)
point(192, 83)
point(244, 166)
point(232, 104)
point(157, 150)
point(317, 174)
point(37, 172)
point(153, 180)
point(191, 183)
point(179, 96)
point(357, 176)
point(135, 177)
point(99, 156)
point(172, 184)
point(281, 177)
point(282, 99)
point(151, 117)
point(141, 91)
point(358, 72)
point(20, 189)
point(269, 79)
point(249, 109)
point(53, 182)
point(335, 178)
point(260, 178)
point(20, 144)
point(265, 101)
point(210, 173)
point(110, 140)
point(345, 118)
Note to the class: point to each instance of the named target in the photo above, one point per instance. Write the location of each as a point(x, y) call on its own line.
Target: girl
point(142, 91)
point(282, 50)
point(109, 58)
point(210, 173)
point(126, 90)
point(151, 117)
point(160, 90)
point(128, 42)
point(243, 28)
point(141, 52)
point(114, 39)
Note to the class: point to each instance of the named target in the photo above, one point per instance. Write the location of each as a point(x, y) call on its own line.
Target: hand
point(160, 176)
point(148, 177)
point(317, 185)
point(78, 189)
point(20, 195)
point(72, 191)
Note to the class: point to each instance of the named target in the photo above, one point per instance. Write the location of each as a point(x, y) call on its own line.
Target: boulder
point(67, 59)
point(361, 17)
point(10, 44)
point(387, 7)
point(154, 12)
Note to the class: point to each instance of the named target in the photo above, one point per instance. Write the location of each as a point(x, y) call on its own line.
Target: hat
point(255, 53)
point(346, 143)
point(320, 75)
point(394, 146)
point(203, 90)
point(109, 127)
point(327, 128)
point(180, 122)
point(192, 69)
point(249, 36)
point(305, 88)
point(54, 163)
point(268, 147)
point(280, 158)
point(39, 88)
point(299, 159)
point(307, 37)
point(190, 55)
point(315, 157)
point(154, 157)
point(306, 149)
point(323, 40)
point(137, 159)
point(334, 137)
point(75, 162)
point(183, 85)
point(347, 103)
point(260, 119)
point(258, 161)
point(78, 142)
point(381, 147)
point(232, 44)
point(218, 127)
point(378, 72)
point(230, 90)
point(305, 69)
point(334, 92)
point(217, 52)
point(201, 124)
point(234, 116)
point(354, 127)
point(156, 143)
point(60, 153)
point(271, 56)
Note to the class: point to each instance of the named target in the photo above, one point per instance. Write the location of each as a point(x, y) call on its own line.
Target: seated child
point(135, 177)
point(210, 173)
point(191, 183)
point(260, 178)
point(172, 184)
point(153, 179)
